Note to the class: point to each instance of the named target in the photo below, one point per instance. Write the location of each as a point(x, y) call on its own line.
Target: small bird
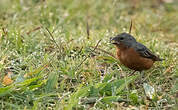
point(133, 54)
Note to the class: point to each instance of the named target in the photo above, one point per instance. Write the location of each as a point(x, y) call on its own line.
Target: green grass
point(62, 71)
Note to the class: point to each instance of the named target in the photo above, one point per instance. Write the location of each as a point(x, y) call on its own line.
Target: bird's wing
point(145, 52)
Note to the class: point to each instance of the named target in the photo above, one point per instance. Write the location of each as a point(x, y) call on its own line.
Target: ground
point(56, 54)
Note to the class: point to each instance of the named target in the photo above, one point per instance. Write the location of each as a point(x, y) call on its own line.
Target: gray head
point(123, 39)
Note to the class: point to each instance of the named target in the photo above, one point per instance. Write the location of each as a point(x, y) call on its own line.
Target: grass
point(49, 61)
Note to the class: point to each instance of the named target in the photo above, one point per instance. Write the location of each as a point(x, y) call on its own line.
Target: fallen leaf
point(7, 79)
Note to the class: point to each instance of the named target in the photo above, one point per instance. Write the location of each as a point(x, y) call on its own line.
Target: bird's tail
point(158, 59)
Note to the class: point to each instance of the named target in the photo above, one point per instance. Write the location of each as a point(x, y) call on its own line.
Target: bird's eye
point(121, 38)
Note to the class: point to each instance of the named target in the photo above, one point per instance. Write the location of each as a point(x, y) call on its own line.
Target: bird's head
point(123, 39)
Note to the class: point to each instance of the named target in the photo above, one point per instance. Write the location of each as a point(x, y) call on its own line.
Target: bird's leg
point(132, 73)
point(126, 85)
point(141, 75)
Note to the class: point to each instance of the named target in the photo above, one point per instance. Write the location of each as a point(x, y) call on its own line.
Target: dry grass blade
point(88, 30)
point(168, 70)
point(35, 29)
point(4, 31)
point(108, 53)
point(130, 29)
point(88, 55)
point(52, 38)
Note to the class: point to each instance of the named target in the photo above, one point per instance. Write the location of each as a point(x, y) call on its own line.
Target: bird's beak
point(114, 41)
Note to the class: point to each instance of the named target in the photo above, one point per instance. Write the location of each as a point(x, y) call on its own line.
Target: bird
point(133, 54)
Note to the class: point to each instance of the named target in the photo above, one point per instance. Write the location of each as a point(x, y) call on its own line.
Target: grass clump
point(50, 61)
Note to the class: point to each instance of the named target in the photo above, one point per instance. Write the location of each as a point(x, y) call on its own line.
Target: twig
point(88, 55)
point(130, 27)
